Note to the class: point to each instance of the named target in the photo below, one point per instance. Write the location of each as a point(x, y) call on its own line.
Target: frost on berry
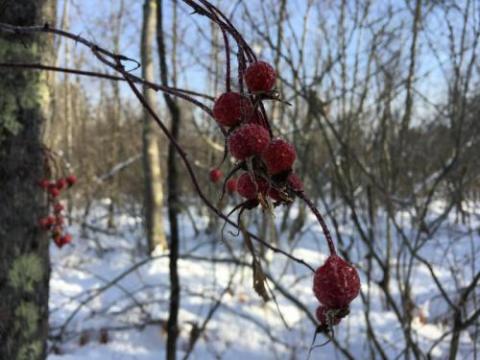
point(231, 108)
point(279, 156)
point(248, 140)
point(336, 283)
point(260, 77)
point(231, 185)
point(215, 175)
point(249, 188)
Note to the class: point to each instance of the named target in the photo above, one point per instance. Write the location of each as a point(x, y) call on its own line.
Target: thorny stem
point(326, 232)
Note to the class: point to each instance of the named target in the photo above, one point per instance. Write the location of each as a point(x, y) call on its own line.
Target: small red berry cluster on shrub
point(335, 284)
point(54, 223)
point(266, 162)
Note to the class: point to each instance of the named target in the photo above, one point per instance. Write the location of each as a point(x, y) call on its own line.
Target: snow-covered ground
point(108, 301)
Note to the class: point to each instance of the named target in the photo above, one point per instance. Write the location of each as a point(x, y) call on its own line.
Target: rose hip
point(215, 175)
point(231, 108)
point(260, 77)
point(336, 283)
point(248, 140)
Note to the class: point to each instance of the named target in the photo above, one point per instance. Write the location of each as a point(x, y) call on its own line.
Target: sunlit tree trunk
point(151, 155)
point(24, 260)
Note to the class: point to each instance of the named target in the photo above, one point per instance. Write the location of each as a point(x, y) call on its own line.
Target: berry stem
point(227, 59)
point(326, 232)
point(241, 67)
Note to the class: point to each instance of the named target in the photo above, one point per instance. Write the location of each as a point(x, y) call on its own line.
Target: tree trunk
point(153, 200)
point(173, 186)
point(24, 259)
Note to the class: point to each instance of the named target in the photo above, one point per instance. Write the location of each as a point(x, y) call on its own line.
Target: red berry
point(260, 77)
point(295, 182)
point(54, 192)
point(215, 175)
point(58, 208)
point(248, 140)
point(59, 220)
point(231, 185)
point(336, 283)
point(71, 180)
point(231, 108)
point(66, 239)
point(44, 183)
point(248, 188)
point(57, 239)
point(275, 194)
point(46, 222)
point(327, 316)
point(279, 156)
point(61, 183)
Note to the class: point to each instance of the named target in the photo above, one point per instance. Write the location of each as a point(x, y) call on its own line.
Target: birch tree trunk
point(24, 259)
point(151, 155)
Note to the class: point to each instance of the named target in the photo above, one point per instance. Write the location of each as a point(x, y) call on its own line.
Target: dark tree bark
point(24, 259)
point(173, 193)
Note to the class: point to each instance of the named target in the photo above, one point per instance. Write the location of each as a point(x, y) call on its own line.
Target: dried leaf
point(259, 279)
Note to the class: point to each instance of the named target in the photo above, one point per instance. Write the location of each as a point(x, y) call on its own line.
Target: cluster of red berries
point(249, 141)
point(267, 163)
point(335, 284)
point(54, 223)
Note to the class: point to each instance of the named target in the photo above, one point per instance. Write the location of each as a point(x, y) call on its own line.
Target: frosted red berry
point(54, 192)
point(231, 185)
point(336, 283)
point(295, 182)
point(249, 188)
point(71, 180)
point(248, 140)
point(279, 156)
point(260, 77)
point(231, 108)
point(326, 316)
point(215, 175)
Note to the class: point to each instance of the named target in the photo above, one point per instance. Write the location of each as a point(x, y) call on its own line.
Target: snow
point(135, 307)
